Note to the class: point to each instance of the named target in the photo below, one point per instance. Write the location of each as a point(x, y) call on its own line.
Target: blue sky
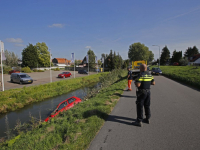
point(68, 26)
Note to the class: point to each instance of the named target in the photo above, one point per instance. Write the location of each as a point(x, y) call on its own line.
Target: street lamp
point(159, 55)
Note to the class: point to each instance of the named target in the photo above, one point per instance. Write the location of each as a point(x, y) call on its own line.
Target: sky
point(75, 26)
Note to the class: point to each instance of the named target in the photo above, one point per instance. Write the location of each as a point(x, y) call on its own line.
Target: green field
point(13, 99)
point(189, 75)
point(75, 128)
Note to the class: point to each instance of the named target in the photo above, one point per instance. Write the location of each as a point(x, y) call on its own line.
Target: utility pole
point(50, 67)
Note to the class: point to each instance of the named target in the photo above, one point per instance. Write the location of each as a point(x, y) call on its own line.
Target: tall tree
point(11, 59)
point(30, 56)
point(191, 51)
point(176, 56)
point(43, 54)
point(151, 56)
point(165, 56)
point(138, 51)
point(91, 56)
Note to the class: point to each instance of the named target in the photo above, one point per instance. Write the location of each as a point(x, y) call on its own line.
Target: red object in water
point(14, 71)
point(64, 75)
point(63, 106)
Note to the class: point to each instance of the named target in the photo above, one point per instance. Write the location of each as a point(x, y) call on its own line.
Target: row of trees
point(177, 56)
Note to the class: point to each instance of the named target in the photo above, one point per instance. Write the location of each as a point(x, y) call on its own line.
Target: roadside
point(40, 78)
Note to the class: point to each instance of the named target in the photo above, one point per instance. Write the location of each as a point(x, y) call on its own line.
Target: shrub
point(35, 70)
point(6, 69)
point(57, 69)
point(26, 70)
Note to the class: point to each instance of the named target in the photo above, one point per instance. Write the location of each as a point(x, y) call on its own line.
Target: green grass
point(13, 99)
point(75, 128)
point(189, 75)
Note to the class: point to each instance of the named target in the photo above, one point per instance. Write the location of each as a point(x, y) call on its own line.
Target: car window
point(71, 100)
point(62, 105)
point(24, 76)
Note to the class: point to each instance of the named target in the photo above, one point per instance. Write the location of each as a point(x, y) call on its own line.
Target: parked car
point(156, 71)
point(63, 106)
point(20, 78)
point(82, 72)
point(64, 75)
point(14, 71)
point(175, 64)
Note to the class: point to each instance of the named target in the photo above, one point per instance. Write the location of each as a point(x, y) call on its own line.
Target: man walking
point(129, 79)
point(143, 82)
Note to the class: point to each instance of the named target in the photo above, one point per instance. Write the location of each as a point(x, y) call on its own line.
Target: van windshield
point(24, 76)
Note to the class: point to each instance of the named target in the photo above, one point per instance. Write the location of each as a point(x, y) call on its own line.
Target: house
point(61, 62)
point(195, 60)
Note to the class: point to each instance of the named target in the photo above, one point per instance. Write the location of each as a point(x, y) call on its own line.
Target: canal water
point(39, 110)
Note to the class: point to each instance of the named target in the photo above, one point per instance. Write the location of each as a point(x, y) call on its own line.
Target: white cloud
point(88, 47)
point(57, 25)
point(13, 40)
point(19, 45)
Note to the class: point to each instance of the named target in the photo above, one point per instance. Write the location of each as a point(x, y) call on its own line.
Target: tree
point(151, 56)
point(138, 51)
point(176, 56)
point(183, 61)
point(91, 56)
point(99, 63)
point(77, 62)
point(30, 56)
point(11, 59)
point(165, 56)
point(191, 51)
point(43, 54)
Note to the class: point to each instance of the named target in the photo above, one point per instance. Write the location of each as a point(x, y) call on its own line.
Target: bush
point(183, 61)
point(6, 69)
point(26, 70)
point(36, 70)
point(57, 69)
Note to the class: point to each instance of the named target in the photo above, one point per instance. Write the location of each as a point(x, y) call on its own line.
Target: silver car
point(20, 78)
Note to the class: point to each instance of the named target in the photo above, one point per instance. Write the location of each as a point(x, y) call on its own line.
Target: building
point(61, 62)
point(195, 60)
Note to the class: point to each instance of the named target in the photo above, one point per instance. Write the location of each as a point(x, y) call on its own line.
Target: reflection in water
point(39, 110)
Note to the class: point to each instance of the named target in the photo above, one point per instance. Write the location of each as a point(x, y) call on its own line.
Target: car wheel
point(64, 77)
point(20, 83)
point(11, 80)
point(70, 75)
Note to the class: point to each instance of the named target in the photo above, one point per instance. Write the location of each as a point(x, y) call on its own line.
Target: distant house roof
point(194, 58)
point(61, 61)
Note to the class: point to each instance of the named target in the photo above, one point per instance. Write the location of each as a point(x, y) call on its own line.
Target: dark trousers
point(143, 100)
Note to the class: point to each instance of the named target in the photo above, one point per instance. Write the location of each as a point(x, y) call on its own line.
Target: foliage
point(151, 57)
point(11, 59)
point(30, 56)
point(165, 56)
point(183, 61)
point(26, 70)
point(13, 99)
point(91, 58)
point(77, 62)
point(186, 74)
point(75, 128)
point(138, 51)
point(37, 70)
point(6, 69)
point(191, 51)
point(176, 56)
point(43, 54)
point(99, 63)
point(57, 69)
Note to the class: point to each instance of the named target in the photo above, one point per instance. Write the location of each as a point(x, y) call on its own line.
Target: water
point(40, 110)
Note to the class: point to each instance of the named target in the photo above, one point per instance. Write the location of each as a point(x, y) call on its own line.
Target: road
point(39, 78)
point(175, 122)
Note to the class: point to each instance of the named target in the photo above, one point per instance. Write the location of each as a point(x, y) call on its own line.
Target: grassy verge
point(75, 128)
point(189, 75)
point(13, 99)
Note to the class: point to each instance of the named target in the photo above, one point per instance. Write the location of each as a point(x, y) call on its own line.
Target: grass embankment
point(189, 75)
point(13, 99)
point(75, 128)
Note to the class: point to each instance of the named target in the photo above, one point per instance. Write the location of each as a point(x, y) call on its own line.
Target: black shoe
point(146, 121)
point(137, 123)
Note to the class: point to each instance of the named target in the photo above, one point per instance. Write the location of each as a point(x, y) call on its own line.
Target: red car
point(64, 75)
point(175, 64)
point(63, 106)
point(14, 71)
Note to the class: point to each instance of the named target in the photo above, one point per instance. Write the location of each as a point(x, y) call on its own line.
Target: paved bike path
point(175, 122)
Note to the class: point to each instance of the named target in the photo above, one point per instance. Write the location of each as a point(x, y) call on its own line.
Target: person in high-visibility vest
point(130, 78)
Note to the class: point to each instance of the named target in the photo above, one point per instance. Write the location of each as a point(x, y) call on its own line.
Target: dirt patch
point(77, 135)
point(50, 129)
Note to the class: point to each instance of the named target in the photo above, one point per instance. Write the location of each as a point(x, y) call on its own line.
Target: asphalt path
point(175, 121)
point(40, 78)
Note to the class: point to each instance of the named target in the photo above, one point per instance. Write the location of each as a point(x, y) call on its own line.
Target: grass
point(75, 128)
point(13, 99)
point(189, 75)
